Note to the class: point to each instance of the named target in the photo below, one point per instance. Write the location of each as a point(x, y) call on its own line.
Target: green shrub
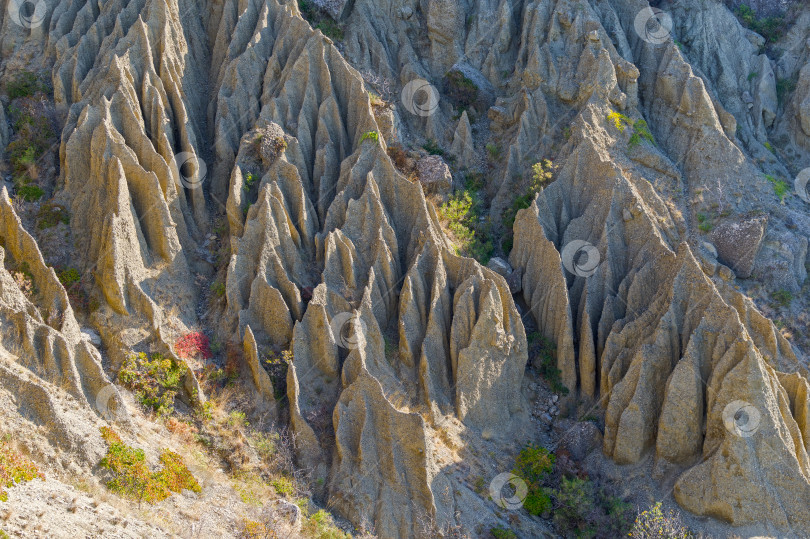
point(780, 187)
point(783, 297)
point(655, 524)
point(29, 192)
point(155, 381)
point(432, 147)
point(769, 147)
point(462, 215)
point(704, 222)
point(284, 486)
point(14, 468)
point(132, 477)
point(69, 277)
point(537, 503)
point(321, 526)
point(503, 533)
point(330, 29)
point(641, 131)
point(533, 464)
point(495, 152)
point(218, 288)
point(25, 84)
point(543, 349)
point(771, 28)
point(575, 501)
point(784, 87)
point(370, 135)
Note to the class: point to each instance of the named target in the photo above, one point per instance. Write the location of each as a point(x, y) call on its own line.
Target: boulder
point(435, 177)
point(738, 242)
point(499, 266)
point(581, 439)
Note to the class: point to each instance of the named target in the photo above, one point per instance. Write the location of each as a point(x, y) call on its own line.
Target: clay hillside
point(404, 268)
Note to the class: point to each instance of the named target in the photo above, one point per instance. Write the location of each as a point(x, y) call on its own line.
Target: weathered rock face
point(190, 114)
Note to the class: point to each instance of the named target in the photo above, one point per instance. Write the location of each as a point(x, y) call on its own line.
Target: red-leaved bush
point(193, 345)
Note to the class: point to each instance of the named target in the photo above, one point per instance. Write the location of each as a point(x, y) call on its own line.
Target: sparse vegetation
point(494, 151)
point(132, 477)
point(582, 509)
point(330, 29)
point(276, 366)
point(155, 380)
point(51, 214)
point(503, 533)
point(654, 523)
point(34, 122)
point(321, 526)
point(782, 297)
point(14, 468)
point(705, 223)
point(771, 28)
point(541, 176)
point(24, 279)
point(769, 147)
point(461, 91)
point(25, 84)
point(250, 181)
point(320, 20)
point(432, 147)
point(785, 87)
point(541, 354)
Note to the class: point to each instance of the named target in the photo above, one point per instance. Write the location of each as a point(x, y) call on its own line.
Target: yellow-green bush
point(14, 468)
point(132, 477)
point(155, 380)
